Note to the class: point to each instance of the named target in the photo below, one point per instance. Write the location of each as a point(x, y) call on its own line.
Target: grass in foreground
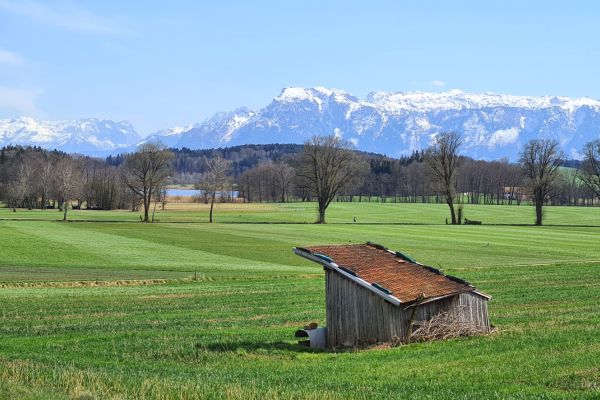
point(229, 334)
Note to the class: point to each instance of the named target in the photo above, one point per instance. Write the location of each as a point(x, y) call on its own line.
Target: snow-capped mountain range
point(85, 136)
point(493, 125)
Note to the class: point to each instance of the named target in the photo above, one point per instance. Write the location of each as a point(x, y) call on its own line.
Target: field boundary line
point(543, 264)
point(142, 282)
point(77, 284)
point(120, 221)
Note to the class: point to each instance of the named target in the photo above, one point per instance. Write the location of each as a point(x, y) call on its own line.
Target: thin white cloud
point(437, 83)
point(20, 100)
point(68, 17)
point(10, 58)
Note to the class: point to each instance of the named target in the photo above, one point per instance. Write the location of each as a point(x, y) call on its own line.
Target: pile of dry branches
point(445, 325)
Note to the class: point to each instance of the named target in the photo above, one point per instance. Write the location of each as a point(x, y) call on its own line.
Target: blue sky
point(161, 64)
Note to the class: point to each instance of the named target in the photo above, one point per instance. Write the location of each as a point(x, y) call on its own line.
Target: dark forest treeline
point(189, 165)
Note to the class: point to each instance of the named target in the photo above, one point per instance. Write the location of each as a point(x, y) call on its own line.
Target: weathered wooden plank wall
point(356, 316)
point(476, 310)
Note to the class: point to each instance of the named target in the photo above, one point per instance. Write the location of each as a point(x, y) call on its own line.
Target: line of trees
point(31, 177)
point(411, 181)
point(325, 169)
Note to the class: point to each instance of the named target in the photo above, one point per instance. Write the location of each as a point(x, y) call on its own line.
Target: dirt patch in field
point(76, 284)
point(167, 296)
point(258, 317)
point(77, 316)
point(222, 207)
point(64, 316)
point(584, 380)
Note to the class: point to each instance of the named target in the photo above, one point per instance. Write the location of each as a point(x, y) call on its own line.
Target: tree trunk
point(65, 205)
point(452, 213)
point(538, 212)
point(321, 219)
point(212, 203)
point(146, 207)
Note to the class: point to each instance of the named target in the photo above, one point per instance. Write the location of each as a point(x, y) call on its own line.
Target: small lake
point(195, 192)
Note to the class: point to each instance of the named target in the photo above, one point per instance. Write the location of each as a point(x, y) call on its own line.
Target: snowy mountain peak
point(175, 131)
point(224, 116)
point(317, 94)
point(88, 136)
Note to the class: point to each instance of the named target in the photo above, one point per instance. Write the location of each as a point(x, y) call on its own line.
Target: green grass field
point(110, 310)
point(372, 213)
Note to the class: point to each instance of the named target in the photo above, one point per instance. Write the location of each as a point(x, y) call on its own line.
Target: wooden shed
point(374, 294)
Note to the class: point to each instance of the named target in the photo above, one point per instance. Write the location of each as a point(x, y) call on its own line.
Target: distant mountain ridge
point(89, 136)
point(493, 125)
point(396, 124)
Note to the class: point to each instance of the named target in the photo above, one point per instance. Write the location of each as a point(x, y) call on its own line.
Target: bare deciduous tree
point(22, 187)
point(591, 167)
point(284, 177)
point(328, 165)
point(442, 158)
point(66, 182)
point(146, 170)
point(215, 180)
point(540, 161)
point(45, 167)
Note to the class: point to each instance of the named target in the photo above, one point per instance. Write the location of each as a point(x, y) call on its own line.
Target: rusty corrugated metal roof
point(404, 279)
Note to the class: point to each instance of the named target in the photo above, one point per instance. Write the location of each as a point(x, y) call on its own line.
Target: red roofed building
point(374, 294)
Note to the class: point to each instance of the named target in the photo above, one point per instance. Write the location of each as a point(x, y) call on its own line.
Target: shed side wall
point(356, 316)
point(475, 310)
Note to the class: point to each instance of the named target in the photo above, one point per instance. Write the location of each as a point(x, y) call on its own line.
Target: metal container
point(317, 338)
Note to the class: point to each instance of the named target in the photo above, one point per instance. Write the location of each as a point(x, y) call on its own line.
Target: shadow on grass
point(256, 347)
